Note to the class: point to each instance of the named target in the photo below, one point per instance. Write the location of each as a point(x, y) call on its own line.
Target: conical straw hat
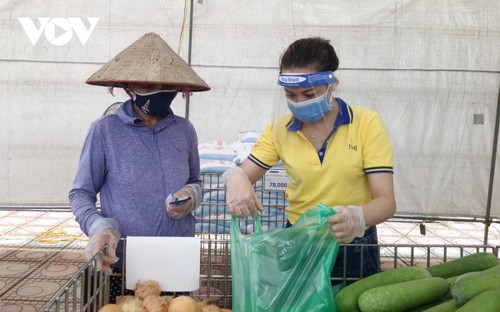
point(148, 60)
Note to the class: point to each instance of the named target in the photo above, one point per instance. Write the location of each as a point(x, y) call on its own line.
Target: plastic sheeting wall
point(428, 67)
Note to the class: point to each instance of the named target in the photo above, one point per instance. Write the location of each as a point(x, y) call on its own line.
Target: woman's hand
point(240, 195)
point(177, 210)
point(104, 232)
point(347, 223)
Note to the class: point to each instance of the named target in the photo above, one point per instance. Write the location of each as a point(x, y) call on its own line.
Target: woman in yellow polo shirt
point(333, 153)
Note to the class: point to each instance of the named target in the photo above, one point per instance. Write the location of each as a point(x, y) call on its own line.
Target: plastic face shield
point(308, 96)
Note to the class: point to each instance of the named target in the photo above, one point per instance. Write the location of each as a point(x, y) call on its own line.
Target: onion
point(210, 308)
point(147, 288)
point(167, 298)
point(183, 304)
point(110, 307)
point(130, 304)
point(203, 303)
point(155, 303)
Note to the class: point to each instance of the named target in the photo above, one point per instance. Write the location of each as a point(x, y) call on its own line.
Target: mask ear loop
point(185, 90)
point(334, 83)
point(130, 92)
point(328, 100)
point(331, 94)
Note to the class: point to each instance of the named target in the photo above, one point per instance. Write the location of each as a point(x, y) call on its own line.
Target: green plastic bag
point(284, 269)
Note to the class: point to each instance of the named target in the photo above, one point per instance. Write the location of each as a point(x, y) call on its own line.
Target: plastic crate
point(215, 272)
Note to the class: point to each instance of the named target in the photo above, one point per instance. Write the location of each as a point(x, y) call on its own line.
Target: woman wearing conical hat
point(143, 160)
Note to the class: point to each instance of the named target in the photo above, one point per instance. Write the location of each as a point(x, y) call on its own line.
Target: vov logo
point(64, 27)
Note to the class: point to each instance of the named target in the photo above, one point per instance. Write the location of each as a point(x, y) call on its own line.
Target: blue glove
point(104, 232)
point(181, 209)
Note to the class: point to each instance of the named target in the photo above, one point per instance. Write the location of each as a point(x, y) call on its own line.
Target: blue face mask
point(155, 103)
point(311, 110)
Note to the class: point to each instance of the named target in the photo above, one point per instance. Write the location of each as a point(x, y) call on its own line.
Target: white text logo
point(64, 27)
point(291, 79)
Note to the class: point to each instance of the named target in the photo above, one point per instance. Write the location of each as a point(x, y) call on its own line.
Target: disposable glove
point(240, 195)
point(347, 223)
point(104, 231)
point(181, 210)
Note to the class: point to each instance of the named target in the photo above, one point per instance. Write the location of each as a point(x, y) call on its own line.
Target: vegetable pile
point(147, 298)
point(470, 283)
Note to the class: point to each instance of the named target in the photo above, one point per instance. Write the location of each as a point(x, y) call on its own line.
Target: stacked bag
point(216, 156)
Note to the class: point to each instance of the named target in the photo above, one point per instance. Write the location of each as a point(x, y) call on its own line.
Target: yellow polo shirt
point(359, 145)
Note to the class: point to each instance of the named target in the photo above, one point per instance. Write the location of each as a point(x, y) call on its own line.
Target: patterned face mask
point(155, 103)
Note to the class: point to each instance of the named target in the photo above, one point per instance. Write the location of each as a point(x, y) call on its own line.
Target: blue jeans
point(355, 261)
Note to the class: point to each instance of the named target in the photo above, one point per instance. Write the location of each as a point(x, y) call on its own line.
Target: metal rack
point(215, 268)
point(87, 290)
point(212, 226)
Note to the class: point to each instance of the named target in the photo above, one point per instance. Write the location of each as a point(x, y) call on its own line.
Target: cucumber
point(426, 306)
point(470, 263)
point(484, 302)
point(403, 296)
point(346, 299)
point(451, 281)
point(447, 306)
point(470, 284)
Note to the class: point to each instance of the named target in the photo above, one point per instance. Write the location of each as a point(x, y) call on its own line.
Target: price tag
point(275, 179)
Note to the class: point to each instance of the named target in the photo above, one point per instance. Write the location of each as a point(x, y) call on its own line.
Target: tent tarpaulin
point(430, 68)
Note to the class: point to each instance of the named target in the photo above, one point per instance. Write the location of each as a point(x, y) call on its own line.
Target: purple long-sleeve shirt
point(134, 168)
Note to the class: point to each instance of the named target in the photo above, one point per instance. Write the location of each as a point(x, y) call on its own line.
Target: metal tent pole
point(492, 172)
point(190, 44)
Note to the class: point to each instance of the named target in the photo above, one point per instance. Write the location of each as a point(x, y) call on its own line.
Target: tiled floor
point(41, 250)
point(39, 253)
point(442, 232)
